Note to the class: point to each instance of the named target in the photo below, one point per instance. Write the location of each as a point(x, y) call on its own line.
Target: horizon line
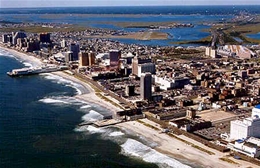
point(127, 6)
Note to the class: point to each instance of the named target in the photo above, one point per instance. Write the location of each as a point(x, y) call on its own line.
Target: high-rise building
point(74, 48)
point(249, 127)
point(17, 35)
point(5, 38)
point(10, 38)
point(92, 58)
point(83, 59)
point(137, 61)
point(63, 43)
point(146, 86)
point(146, 67)
point(130, 90)
point(69, 56)
point(33, 45)
point(114, 56)
point(45, 37)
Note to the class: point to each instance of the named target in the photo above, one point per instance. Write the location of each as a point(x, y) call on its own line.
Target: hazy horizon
point(119, 3)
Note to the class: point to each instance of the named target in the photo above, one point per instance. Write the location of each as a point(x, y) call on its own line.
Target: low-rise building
point(249, 147)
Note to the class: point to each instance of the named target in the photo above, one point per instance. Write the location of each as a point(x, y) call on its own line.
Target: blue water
point(197, 15)
point(175, 10)
point(38, 126)
point(254, 36)
point(178, 34)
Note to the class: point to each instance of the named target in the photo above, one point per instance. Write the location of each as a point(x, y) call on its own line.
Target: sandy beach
point(23, 57)
point(88, 94)
point(166, 144)
point(180, 150)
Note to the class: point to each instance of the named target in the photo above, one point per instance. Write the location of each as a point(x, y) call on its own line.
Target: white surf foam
point(52, 101)
point(92, 116)
point(7, 54)
point(85, 107)
point(116, 133)
point(93, 129)
point(137, 149)
point(81, 129)
point(27, 64)
point(64, 100)
point(89, 129)
point(61, 80)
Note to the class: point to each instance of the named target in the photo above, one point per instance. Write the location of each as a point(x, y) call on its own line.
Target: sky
point(71, 3)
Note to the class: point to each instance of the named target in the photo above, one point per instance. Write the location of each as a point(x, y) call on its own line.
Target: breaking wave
point(92, 116)
point(7, 54)
point(116, 134)
point(52, 101)
point(27, 64)
point(61, 80)
point(62, 99)
point(134, 148)
point(85, 106)
point(90, 129)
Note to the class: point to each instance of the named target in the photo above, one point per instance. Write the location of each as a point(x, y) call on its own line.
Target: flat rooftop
point(215, 115)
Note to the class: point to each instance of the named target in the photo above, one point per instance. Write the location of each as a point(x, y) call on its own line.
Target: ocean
point(157, 10)
point(38, 127)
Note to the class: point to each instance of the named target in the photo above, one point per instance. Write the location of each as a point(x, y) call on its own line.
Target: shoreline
point(88, 93)
point(167, 145)
point(181, 151)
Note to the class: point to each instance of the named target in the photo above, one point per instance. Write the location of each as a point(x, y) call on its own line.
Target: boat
point(32, 71)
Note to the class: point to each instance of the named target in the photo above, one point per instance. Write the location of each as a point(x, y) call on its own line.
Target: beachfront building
point(74, 48)
point(249, 127)
point(68, 56)
point(83, 59)
point(5, 38)
point(249, 147)
point(91, 58)
point(17, 35)
point(146, 86)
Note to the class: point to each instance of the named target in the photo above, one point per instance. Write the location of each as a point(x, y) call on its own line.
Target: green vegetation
point(229, 30)
point(181, 53)
point(228, 160)
point(240, 31)
point(205, 40)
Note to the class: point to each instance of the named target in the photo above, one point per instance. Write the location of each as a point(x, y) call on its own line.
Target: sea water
point(38, 127)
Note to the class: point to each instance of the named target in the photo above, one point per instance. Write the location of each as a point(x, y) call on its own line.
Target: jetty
point(102, 123)
point(35, 70)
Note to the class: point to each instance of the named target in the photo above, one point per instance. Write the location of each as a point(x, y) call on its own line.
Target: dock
point(102, 123)
point(108, 122)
